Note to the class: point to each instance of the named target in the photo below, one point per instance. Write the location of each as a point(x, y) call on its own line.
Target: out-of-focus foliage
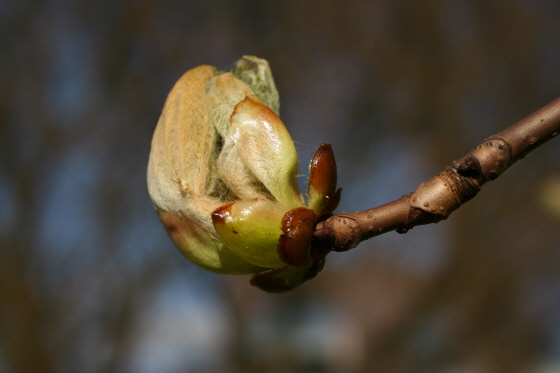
point(89, 282)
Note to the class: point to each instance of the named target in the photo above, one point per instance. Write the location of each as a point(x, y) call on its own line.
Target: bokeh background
point(89, 281)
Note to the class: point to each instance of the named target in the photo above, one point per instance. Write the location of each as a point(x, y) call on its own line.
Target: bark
point(435, 199)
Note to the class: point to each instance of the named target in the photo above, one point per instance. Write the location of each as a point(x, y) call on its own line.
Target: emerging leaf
point(266, 147)
point(251, 228)
point(203, 250)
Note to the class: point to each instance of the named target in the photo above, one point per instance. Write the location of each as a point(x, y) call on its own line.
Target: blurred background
point(89, 281)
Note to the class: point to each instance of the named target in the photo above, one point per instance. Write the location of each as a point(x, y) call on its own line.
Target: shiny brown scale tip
point(294, 244)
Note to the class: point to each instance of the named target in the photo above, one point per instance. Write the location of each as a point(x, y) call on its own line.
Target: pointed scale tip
point(220, 215)
point(322, 173)
point(322, 180)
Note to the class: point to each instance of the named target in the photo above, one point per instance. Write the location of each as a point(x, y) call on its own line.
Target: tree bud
point(222, 178)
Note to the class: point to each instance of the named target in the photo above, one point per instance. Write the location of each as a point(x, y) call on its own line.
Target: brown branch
point(435, 199)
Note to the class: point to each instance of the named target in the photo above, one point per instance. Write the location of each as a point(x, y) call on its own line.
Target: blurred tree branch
point(435, 199)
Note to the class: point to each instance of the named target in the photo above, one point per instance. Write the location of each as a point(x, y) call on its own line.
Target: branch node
point(348, 232)
point(444, 193)
point(324, 232)
point(470, 167)
point(494, 156)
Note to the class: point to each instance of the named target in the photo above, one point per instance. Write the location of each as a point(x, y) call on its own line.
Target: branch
point(435, 199)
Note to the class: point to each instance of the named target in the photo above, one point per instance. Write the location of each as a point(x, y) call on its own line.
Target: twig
point(435, 199)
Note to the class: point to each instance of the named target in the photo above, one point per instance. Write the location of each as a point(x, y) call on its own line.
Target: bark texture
point(435, 199)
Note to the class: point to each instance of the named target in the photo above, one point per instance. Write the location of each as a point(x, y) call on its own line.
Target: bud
point(222, 177)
